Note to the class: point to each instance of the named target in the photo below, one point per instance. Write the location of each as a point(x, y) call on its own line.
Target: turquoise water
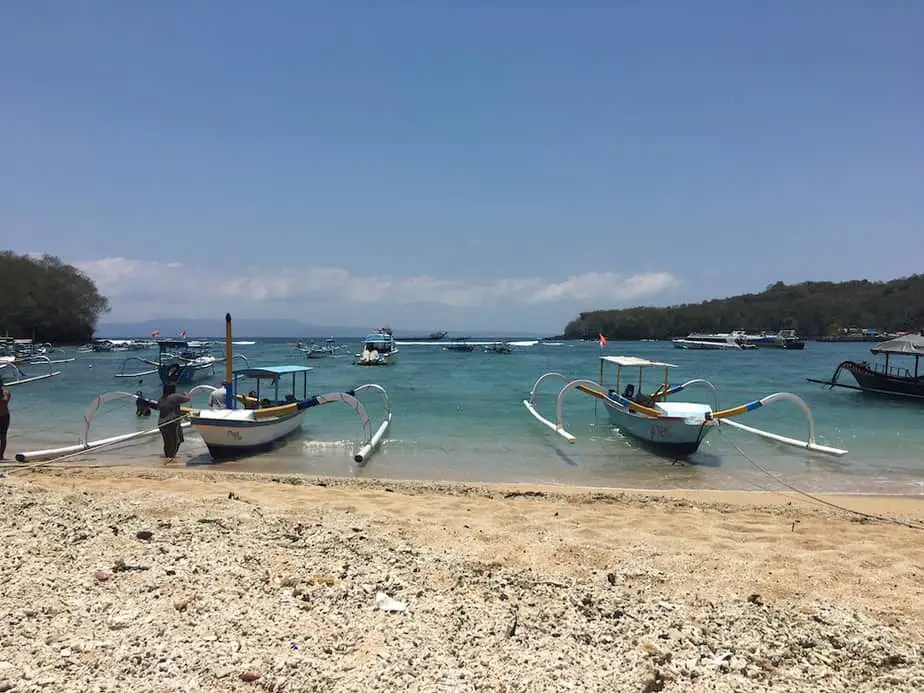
point(460, 416)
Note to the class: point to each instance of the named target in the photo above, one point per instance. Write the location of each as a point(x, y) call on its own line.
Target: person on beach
point(170, 419)
point(4, 418)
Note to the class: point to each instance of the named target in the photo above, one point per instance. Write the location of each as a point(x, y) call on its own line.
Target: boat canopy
point(908, 344)
point(170, 343)
point(271, 372)
point(626, 361)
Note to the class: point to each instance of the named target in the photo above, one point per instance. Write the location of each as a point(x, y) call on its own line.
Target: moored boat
point(379, 349)
point(733, 341)
point(670, 427)
point(784, 339)
point(885, 379)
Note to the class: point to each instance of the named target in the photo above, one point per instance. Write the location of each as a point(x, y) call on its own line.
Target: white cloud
point(137, 287)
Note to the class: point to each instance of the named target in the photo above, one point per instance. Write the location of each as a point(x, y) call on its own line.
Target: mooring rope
point(41, 463)
point(911, 524)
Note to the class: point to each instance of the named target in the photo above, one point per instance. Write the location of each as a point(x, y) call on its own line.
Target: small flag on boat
point(154, 333)
point(602, 340)
point(183, 334)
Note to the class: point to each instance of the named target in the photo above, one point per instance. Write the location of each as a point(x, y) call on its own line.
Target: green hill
point(47, 299)
point(814, 309)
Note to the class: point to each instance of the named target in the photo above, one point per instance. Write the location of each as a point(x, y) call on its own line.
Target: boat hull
point(869, 379)
point(185, 374)
point(673, 436)
point(238, 433)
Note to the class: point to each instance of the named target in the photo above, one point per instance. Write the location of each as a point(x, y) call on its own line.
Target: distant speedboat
point(735, 341)
point(784, 339)
point(432, 337)
point(498, 348)
point(320, 351)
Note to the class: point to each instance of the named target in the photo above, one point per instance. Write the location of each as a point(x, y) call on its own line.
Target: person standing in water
point(170, 418)
point(4, 418)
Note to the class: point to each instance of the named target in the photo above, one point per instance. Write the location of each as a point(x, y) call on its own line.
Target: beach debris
point(654, 683)
point(755, 599)
point(512, 628)
point(249, 676)
point(101, 576)
point(667, 606)
point(122, 567)
point(144, 535)
point(386, 603)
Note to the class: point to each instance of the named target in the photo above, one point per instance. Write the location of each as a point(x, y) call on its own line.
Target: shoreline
point(172, 579)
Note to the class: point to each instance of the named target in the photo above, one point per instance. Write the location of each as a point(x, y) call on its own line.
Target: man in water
point(170, 419)
point(5, 397)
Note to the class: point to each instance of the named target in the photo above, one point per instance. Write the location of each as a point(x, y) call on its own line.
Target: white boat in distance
point(736, 340)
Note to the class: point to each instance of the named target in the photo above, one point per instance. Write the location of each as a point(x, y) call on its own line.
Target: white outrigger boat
point(247, 424)
point(675, 428)
point(20, 377)
point(254, 422)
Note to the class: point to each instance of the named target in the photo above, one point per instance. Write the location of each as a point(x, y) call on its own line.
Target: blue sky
point(476, 165)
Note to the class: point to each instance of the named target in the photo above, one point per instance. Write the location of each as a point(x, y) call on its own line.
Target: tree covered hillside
point(815, 309)
point(48, 299)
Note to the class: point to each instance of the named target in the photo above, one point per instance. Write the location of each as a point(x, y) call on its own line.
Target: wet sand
point(171, 579)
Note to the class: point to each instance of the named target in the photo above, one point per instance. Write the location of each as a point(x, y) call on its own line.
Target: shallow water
point(460, 416)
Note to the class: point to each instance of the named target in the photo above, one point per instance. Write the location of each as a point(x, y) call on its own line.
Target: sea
point(460, 416)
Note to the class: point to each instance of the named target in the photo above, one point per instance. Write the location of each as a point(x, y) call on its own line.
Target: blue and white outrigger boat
point(670, 427)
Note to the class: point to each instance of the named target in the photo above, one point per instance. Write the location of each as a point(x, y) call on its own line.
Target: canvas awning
point(908, 344)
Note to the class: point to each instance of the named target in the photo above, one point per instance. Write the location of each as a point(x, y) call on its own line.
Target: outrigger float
point(247, 424)
point(676, 428)
point(21, 378)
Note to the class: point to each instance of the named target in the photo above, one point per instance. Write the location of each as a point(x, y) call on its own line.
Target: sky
point(486, 165)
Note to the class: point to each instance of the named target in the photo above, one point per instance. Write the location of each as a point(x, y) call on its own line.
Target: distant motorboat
point(313, 350)
point(735, 341)
point(379, 349)
point(784, 339)
point(460, 344)
point(432, 337)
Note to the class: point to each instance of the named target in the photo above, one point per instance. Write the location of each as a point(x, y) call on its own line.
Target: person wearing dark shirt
point(170, 419)
point(4, 419)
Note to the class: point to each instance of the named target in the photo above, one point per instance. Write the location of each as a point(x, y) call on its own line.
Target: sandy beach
point(166, 580)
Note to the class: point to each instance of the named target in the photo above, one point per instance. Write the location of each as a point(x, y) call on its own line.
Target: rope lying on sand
point(911, 524)
point(43, 463)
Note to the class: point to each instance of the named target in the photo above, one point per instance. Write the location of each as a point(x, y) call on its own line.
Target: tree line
point(813, 309)
point(48, 300)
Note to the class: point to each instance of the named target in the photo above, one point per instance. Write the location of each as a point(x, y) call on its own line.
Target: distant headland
point(858, 310)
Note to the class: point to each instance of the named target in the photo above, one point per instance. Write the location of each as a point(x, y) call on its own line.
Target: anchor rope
point(911, 524)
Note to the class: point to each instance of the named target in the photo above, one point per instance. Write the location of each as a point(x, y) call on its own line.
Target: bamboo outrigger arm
point(725, 415)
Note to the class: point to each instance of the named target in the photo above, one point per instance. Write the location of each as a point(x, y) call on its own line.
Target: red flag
point(154, 333)
point(183, 334)
point(602, 340)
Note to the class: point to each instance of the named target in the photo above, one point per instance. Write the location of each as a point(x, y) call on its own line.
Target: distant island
point(813, 309)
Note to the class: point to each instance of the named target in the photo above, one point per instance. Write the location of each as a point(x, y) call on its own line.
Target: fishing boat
point(185, 361)
point(734, 341)
point(11, 374)
point(460, 344)
point(312, 350)
point(271, 412)
point(784, 339)
point(432, 337)
point(498, 348)
point(247, 424)
point(379, 349)
point(670, 427)
point(885, 379)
